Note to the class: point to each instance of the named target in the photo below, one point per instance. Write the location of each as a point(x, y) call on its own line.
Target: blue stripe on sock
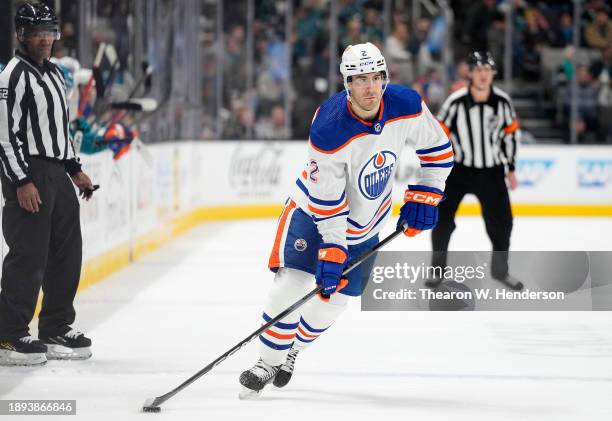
point(273, 345)
point(302, 321)
point(299, 338)
point(280, 324)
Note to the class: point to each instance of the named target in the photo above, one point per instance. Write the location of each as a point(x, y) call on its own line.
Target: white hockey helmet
point(360, 59)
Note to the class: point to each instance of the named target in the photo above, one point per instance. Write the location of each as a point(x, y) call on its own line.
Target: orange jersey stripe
point(402, 117)
point(384, 207)
point(345, 144)
point(367, 123)
point(274, 260)
point(328, 212)
point(436, 157)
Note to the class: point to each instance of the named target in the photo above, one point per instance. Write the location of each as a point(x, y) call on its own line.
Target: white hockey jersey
point(346, 185)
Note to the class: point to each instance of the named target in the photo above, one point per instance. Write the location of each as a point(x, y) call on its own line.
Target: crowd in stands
point(294, 68)
point(413, 48)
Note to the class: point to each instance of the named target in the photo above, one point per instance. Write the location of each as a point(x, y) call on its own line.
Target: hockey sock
point(289, 286)
point(317, 317)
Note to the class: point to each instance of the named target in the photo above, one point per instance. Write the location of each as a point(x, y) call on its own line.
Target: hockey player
point(341, 201)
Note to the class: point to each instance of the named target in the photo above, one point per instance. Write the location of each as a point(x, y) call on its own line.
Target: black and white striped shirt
point(484, 134)
point(33, 117)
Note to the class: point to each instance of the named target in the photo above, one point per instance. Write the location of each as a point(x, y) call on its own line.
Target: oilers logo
point(375, 174)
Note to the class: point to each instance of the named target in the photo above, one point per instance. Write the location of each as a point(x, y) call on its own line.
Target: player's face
point(366, 90)
point(482, 76)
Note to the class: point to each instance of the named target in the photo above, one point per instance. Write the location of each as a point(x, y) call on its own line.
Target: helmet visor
point(42, 32)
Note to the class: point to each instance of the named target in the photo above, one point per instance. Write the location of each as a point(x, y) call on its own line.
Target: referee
point(481, 122)
point(40, 219)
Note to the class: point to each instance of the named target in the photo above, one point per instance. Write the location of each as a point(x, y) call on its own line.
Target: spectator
point(433, 88)
point(598, 34)
point(273, 127)
point(240, 120)
point(419, 36)
point(372, 27)
point(309, 25)
point(353, 34)
point(605, 98)
point(588, 100)
point(604, 64)
point(537, 27)
point(397, 55)
point(69, 39)
point(437, 37)
point(531, 61)
point(463, 76)
point(563, 34)
point(417, 46)
point(235, 58)
point(496, 37)
point(478, 21)
point(566, 70)
point(396, 44)
point(349, 9)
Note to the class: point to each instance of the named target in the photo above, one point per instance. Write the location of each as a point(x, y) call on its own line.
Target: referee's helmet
point(31, 17)
point(481, 58)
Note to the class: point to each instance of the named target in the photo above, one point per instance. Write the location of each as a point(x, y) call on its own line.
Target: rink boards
point(149, 197)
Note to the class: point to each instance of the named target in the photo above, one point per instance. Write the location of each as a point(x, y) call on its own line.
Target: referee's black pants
point(44, 250)
point(489, 186)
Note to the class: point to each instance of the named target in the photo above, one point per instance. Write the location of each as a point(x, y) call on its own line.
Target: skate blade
point(60, 352)
point(249, 394)
point(12, 358)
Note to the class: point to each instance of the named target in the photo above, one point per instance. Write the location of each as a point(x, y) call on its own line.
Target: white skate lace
point(288, 365)
point(73, 334)
point(27, 339)
point(263, 370)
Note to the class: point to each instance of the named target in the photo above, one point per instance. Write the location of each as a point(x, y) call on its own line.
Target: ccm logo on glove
point(433, 199)
point(420, 209)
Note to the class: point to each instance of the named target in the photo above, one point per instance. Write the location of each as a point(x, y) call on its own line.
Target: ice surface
point(162, 319)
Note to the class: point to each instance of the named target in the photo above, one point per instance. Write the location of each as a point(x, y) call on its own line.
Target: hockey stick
point(136, 104)
point(102, 86)
point(144, 79)
point(153, 404)
point(104, 50)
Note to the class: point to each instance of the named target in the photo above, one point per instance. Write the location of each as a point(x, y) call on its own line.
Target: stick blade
point(147, 104)
point(150, 406)
point(136, 104)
